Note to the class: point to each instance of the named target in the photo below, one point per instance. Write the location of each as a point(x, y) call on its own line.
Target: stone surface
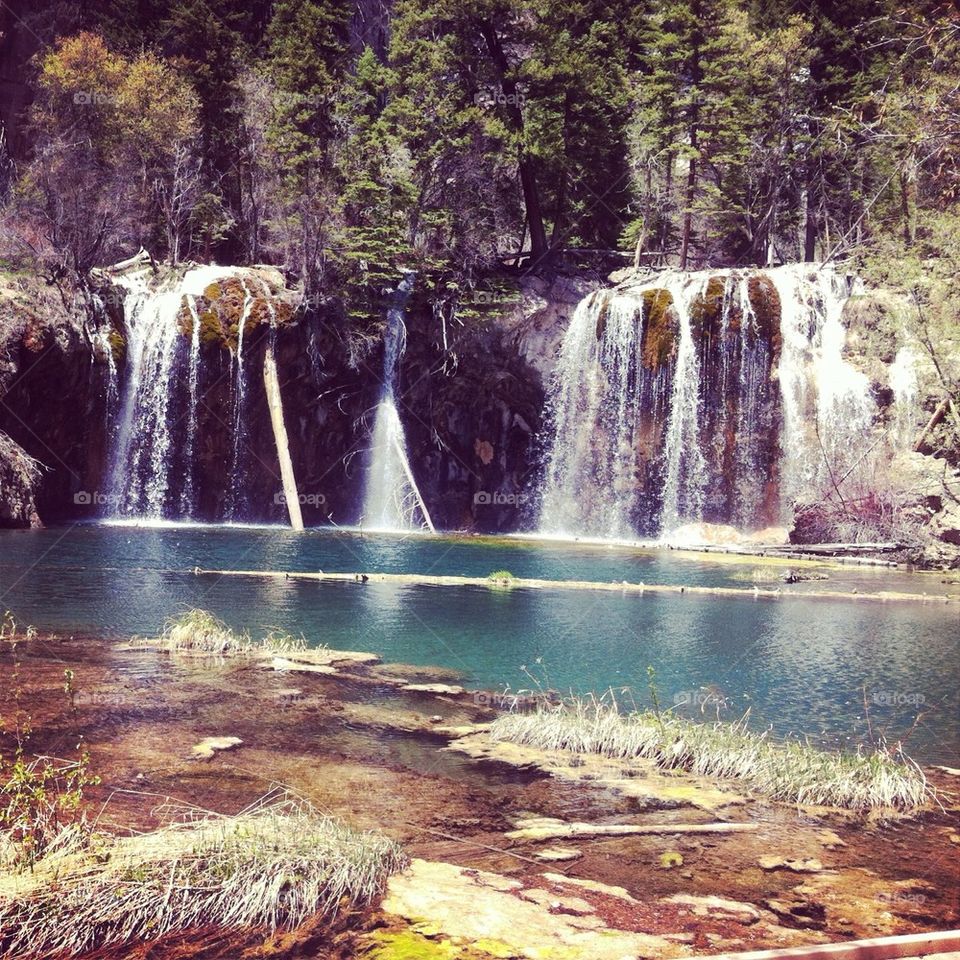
point(717, 907)
point(797, 866)
point(440, 689)
point(465, 906)
point(209, 746)
point(593, 885)
point(558, 854)
point(637, 778)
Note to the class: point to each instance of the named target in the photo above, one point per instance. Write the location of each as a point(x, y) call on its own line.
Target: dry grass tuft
point(199, 631)
point(274, 866)
point(786, 770)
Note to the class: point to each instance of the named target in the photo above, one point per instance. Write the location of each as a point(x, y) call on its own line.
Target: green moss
point(210, 329)
point(766, 305)
point(603, 315)
point(659, 328)
point(212, 292)
point(706, 311)
point(118, 346)
point(407, 945)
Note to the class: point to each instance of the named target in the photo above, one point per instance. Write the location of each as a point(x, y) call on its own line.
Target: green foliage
point(694, 131)
point(40, 796)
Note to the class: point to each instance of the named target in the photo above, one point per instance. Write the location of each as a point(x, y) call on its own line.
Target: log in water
point(622, 586)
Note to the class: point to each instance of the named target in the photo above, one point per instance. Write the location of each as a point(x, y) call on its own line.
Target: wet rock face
point(472, 412)
point(739, 346)
point(19, 475)
point(53, 404)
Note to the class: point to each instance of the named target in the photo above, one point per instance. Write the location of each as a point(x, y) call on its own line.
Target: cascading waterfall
point(905, 384)
point(827, 404)
point(188, 498)
point(239, 422)
point(392, 500)
point(600, 389)
point(686, 467)
point(714, 396)
point(146, 458)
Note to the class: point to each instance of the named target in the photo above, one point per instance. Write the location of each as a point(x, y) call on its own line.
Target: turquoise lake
point(802, 666)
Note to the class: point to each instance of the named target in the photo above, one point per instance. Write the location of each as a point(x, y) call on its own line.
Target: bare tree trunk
point(688, 202)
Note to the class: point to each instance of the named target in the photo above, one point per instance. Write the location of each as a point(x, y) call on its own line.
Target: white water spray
point(392, 499)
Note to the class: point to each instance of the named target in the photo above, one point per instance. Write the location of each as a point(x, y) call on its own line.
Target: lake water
point(801, 666)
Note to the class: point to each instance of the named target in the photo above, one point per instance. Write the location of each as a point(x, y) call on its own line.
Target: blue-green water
point(799, 665)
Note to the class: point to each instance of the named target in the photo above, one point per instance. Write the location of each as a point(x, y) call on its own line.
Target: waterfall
point(713, 396)
point(599, 390)
point(188, 498)
point(827, 405)
point(686, 467)
point(392, 500)
point(904, 382)
point(239, 421)
point(153, 452)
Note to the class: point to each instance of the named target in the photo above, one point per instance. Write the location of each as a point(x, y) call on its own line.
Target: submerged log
point(622, 586)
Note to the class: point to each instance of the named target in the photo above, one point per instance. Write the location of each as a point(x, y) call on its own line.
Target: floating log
point(622, 586)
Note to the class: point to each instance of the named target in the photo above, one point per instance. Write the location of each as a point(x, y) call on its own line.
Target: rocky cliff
point(474, 393)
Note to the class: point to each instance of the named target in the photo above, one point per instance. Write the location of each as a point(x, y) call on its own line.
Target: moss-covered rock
point(223, 305)
point(766, 306)
point(706, 311)
point(660, 328)
point(604, 312)
point(118, 346)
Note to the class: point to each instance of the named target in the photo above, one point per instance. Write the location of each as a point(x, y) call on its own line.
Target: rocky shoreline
point(555, 856)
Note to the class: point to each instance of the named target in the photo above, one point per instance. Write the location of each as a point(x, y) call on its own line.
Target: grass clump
point(275, 865)
point(201, 631)
point(501, 576)
point(785, 770)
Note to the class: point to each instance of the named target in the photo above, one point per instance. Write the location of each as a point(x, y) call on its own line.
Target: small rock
point(804, 915)
point(557, 854)
point(441, 689)
point(717, 907)
point(206, 748)
point(436, 718)
point(593, 885)
point(829, 839)
point(572, 905)
point(797, 866)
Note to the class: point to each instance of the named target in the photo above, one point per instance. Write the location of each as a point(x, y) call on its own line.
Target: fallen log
point(538, 831)
point(614, 586)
